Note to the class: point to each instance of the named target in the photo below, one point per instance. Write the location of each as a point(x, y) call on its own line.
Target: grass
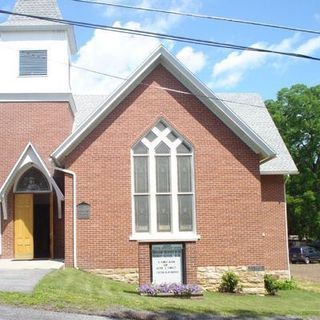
point(308, 285)
point(75, 290)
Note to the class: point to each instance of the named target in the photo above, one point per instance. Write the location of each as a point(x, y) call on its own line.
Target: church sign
point(167, 263)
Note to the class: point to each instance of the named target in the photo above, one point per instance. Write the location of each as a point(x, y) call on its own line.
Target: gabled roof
point(46, 8)
point(182, 74)
point(248, 106)
point(28, 158)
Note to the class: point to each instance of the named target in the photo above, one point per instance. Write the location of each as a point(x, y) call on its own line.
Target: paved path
point(11, 313)
point(23, 276)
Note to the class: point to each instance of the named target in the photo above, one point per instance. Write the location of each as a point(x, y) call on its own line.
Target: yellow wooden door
point(23, 226)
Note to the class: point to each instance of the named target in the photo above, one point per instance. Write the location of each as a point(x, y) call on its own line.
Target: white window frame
point(175, 234)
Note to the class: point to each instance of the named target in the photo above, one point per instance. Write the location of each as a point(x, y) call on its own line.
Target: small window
point(33, 62)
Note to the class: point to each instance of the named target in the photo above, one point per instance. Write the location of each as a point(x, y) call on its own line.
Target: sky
point(222, 70)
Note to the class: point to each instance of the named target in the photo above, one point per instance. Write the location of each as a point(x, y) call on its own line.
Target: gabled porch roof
point(28, 158)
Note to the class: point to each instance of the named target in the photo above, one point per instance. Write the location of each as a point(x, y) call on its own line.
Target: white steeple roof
point(45, 8)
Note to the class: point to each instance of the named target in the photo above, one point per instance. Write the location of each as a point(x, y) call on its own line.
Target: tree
point(296, 112)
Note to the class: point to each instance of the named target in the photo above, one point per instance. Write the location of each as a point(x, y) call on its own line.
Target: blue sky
point(221, 69)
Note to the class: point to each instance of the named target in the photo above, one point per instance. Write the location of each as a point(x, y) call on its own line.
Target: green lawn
point(77, 290)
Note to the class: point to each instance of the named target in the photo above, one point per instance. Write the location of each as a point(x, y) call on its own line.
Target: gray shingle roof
point(249, 107)
point(252, 110)
point(46, 8)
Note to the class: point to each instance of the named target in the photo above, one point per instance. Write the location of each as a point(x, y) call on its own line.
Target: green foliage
point(296, 112)
point(273, 285)
point(229, 282)
point(286, 285)
point(270, 284)
point(83, 292)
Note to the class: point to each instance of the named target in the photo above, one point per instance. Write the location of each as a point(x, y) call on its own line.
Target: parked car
point(315, 244)
point(304, 254)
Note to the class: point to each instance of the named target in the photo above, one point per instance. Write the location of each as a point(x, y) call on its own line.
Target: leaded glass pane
point(141, 204)
point(164, 213)
point(172, 136)
point(140, 148)
point(141, 174)
point(183, 148)
point(185, 212)
point(163, 174)
point(33, 180)
point(184, 174)
point(151, 136)
point(161, 125)
point(162, 148)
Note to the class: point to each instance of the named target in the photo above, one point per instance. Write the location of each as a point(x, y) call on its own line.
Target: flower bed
point(170, 290)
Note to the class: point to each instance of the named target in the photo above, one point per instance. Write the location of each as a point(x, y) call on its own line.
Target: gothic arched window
point(163, 183)
point(33, 180)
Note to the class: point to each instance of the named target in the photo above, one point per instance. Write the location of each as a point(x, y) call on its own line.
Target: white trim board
point(40, 97)
point(163, 57)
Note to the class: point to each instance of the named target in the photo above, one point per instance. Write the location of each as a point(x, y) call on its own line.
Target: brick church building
point(160, 181)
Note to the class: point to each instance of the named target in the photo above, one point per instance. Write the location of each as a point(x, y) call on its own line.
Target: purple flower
point(173, 288)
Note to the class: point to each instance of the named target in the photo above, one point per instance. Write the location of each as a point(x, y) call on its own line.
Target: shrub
point(229, 282)
point(170, 289)
point(286, 284)
point(270, 284)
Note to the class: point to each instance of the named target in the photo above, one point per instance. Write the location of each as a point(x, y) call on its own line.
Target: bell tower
point(35, 54)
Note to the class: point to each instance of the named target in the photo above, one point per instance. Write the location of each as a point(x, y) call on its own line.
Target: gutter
point(74, 209)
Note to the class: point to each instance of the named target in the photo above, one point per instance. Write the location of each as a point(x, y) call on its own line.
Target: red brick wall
point(46, 125)
point(274, 223)
point(7, 230)
point(228, 187)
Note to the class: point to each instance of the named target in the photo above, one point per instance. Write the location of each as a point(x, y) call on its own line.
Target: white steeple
point(34, 53)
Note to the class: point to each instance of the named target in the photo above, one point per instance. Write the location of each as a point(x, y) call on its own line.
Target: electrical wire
point(82, 68)
point(201, 16)
point(162, 36)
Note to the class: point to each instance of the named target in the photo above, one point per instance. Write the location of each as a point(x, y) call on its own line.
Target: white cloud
point(309, 47)
point(194, 60)
point(111, 53)
point(118, 53)
point(231, 70)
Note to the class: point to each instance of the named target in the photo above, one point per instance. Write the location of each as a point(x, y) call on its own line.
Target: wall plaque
point(167, 263)
point(255, 268)
point(83, 210)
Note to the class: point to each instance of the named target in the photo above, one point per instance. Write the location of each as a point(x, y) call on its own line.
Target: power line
point(75, 66)
point(162, 36)
point(201, 16)
point(165, 88)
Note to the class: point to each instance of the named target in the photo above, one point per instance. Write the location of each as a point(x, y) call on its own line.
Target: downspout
point(286, 221)
point(1, 227)
point(74, 192)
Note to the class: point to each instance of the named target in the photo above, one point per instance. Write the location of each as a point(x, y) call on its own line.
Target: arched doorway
point(33, 216)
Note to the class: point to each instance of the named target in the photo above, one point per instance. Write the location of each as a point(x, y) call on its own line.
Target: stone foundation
point(251, 282)
point(129, 275)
